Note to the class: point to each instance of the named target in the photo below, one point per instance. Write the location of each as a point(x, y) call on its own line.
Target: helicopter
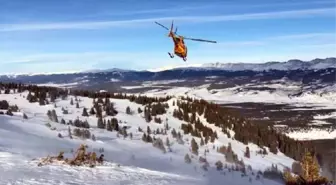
point(180, 49)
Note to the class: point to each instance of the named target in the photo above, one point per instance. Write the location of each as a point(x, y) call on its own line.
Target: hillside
point(140, 162)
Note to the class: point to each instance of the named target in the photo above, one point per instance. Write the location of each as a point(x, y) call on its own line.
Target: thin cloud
point(330, 36)
point(267, 15)
point(319, 46)
point(152, 11)
point(323, 38)
point(234, 44)
point(75, 57)
point(225, 45)
point(219, 5)
point(185, 19)
point(320, 2)
point(304, 36)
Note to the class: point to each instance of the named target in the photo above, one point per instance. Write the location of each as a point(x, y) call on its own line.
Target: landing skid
point(171, 55)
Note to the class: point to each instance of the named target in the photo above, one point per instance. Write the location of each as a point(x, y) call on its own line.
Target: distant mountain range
point(293, 64)
point(289, 65)
point(320, 71)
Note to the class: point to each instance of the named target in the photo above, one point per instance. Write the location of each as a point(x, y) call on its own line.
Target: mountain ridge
point(292, 64)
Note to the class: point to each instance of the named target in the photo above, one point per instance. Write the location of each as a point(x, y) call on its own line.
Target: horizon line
point(154, 70)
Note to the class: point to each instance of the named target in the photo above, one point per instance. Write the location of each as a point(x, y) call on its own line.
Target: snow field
point(23, 140)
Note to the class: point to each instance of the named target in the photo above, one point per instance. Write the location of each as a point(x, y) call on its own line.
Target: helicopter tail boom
point(171, 27)
point(161, 25)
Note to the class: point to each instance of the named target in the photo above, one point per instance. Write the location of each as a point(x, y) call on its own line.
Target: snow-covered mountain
point(29, 133)
point(107, 70)
point(289, 65)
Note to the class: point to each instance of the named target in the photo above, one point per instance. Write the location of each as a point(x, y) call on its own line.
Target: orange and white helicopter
point(180, 49)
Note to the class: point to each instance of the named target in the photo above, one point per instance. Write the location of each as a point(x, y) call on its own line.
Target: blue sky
point(73, 35)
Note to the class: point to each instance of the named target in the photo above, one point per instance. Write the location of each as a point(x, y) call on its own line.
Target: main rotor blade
point(162, 25)
point(200, 40)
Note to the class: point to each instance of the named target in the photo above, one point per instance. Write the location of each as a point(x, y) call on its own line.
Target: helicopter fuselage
point(180, 49)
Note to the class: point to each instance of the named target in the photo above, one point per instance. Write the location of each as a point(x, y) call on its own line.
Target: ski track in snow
point(24, 140)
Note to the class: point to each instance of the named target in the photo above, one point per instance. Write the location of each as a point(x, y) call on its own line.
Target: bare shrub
point(273, 173)
point(158, 143)
point(296, 168)
point(187, 159)
point(219, 165)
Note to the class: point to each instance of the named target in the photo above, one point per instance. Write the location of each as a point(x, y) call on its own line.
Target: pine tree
point(194, 146)
point(149, 139)
point(247, 152)
point(128, 110)
point(202, 141)
point(124, 133)
point(54, 116)
point(84, 112)
point(148, 130)
point(100, 123)
point(99, 112)
point(144, 137)
point(69, 133)
point(310, 167)
point(109, 126)
point(92, 111)
point(62, 121)
point(229, 149)
point(173, 132)
point(167, 142)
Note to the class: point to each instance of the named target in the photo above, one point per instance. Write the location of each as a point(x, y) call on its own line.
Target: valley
point(285, 115)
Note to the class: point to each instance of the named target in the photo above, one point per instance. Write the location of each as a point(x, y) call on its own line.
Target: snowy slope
point(282, 94)
point(22, 140)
